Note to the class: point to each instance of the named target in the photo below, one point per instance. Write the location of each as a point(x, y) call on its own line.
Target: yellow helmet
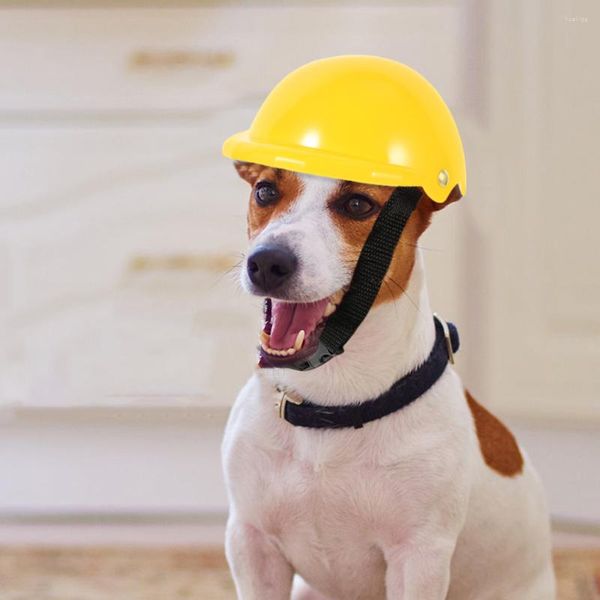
point(361, 118)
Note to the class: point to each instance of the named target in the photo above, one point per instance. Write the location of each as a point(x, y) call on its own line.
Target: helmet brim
point(316, 161)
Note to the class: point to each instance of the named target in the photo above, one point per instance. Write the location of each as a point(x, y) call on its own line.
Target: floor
point(120, 573)
point(114, 574)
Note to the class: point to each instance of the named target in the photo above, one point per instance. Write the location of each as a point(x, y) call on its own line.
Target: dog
point(436, 500)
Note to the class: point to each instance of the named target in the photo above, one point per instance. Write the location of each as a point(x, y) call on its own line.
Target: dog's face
point(306, 234)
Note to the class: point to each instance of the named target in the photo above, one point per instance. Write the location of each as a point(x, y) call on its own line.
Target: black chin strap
point(371, 267)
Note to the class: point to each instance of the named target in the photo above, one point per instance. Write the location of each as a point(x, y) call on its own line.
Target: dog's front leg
point(260, 571)
point(418, 571)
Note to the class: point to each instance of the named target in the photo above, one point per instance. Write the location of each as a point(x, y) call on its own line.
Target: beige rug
point(190, 574)
point(114, 574)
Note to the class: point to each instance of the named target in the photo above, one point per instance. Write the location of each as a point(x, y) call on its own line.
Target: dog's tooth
point(299, 340)
point(265, 338)
point(275, 352)
point(329, 309)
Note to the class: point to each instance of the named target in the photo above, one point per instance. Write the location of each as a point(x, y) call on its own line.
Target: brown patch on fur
point(248, 171)
point(355, 234)
point(288, 184)
point(498, 445)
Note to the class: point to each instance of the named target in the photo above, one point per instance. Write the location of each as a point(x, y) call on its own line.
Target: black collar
point(304, 413)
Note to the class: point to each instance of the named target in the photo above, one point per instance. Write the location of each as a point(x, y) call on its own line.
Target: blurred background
point(123, 334)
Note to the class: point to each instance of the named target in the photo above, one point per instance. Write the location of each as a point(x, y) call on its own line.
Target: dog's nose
point(269, 266)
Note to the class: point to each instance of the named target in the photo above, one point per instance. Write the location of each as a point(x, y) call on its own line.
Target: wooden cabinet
point(119, 216)
point(119, 219)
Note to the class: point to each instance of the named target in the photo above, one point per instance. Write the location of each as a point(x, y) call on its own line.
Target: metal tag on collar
point(447, 337)
point(285, 398)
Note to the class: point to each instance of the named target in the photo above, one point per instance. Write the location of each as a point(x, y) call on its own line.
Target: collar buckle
point(447, 337)
point(285, 398)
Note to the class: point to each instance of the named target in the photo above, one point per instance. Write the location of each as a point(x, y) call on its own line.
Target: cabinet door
point(116, 245)
point(534, 282)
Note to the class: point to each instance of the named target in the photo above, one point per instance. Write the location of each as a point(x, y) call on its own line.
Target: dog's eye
point(265, 193)
point(358, 206)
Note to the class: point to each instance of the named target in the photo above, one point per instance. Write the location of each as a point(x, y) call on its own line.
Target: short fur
point(410, 507)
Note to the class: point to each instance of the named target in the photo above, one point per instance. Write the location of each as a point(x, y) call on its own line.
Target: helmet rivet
point(443, 177)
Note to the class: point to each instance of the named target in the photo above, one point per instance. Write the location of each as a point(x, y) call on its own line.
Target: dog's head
point(306, 233)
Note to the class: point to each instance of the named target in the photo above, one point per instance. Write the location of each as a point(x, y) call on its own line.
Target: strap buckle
point(285, 398)
point(447, 337)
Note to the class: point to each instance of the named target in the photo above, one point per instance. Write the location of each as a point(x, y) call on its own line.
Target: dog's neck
point(395, 337)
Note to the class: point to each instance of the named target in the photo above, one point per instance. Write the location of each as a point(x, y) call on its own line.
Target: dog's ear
point(248, 171)
point(453, 196)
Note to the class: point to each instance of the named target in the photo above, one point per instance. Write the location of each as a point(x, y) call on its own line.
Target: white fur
point(306, 229)
point(404, 508)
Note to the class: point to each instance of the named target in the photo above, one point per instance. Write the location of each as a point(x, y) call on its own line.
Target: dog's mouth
point(291, 330)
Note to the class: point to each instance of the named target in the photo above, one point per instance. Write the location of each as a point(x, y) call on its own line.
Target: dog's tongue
point(288, 318)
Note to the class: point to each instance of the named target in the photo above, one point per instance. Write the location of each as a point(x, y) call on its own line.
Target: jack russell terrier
point(432, 499)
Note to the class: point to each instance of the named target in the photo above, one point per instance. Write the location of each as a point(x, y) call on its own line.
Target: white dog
point(433, 501)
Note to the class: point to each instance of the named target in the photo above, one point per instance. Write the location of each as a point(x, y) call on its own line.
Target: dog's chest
point(328, 519)
point(306, 491)
point(329, 485)
point(333, 499)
